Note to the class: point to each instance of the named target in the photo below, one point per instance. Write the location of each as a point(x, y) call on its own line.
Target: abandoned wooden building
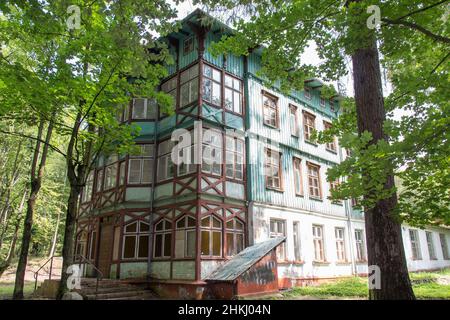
point(176, 226)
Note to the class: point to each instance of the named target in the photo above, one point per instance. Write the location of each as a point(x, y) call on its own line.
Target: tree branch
point(421, 10)
point(415, 26)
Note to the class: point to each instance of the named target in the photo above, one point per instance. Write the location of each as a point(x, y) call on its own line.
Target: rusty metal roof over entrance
point(241, 262)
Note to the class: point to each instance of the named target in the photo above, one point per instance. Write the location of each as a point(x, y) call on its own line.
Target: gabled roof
point(244, 260)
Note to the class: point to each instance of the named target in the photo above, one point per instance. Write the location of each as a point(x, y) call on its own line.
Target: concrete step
point(119, 295)
point(123, 288)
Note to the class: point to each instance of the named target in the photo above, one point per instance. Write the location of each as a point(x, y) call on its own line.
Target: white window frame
point(416, 252)
point(318, 243)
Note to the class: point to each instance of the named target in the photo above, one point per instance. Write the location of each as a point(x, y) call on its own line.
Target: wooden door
point(105, 248)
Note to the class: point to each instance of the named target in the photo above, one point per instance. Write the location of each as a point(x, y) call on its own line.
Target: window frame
point(319, 256)
point(164, 233)
point(213, 81)
point(297, 241)
point(272, 108)
point(307, 93)
point(444, 246)
point(298, 181)
point(214, 148)
point(416, 251)
point(341, 250)
point(430, 244)
point(185, 230)
point(281, 250)
point(330, 146)
point(234, 231)
point(310, 165)
point(146, 106)
point(309, 125)
point(293, 112)
point(142, 158)
point(137, 235)
point(233, 91)
point(360, 246)
point(268, 155)
point(211, 230)
point(191, 43)
point(236, 156)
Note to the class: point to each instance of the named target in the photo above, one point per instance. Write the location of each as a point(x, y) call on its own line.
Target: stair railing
point(99, 274)
point(36, 274)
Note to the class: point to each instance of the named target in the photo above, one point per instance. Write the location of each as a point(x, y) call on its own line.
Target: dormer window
point(322, 102)
point(307, 93)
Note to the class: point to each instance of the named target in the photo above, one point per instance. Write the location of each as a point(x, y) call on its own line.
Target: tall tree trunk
point(37, 172)
point(383, 231)
point(69, 235)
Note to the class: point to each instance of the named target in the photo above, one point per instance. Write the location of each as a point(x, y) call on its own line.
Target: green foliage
point(414, 43)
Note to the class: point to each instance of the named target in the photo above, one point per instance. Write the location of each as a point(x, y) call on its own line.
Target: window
point(307, 93)
point(140, 167)
point(278, 229)
point(330, 146)
point(273, 169)
point(135, 240)
point(360, 250)
point(298, 181)
point(322, 102)
point(165, 164)
point(163, 239)
point(332, 106)
point(212, 85)
point(122, 114)
point(170, 87)
point(185, 238)
point(340, 244)
point(234, 158)
point(212, 152)
point(319, 254)
point(88, 188)
point(122, 173)
point(211, 235)
point(81, 244)
point(430, 244)
point(270, 105)
point(415, 245)
point(111, 176)
point(296, 234)
point(188, 45)
point(444, 246)
point(234, 236)
point(187, 153)
point(144, 109)
point(314, 181)
point(189, 86)
point(99, 182)
point(309, 125)
point(293, 120)
point(233, 94)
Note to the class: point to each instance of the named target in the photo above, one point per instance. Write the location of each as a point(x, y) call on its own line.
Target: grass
point(425, 286)
point(7, 289)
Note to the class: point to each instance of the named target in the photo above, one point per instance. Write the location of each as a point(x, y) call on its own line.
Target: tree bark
point(383, 231)
point(37, 172)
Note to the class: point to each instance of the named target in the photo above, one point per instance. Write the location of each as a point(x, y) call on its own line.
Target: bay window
point(88, 188)
point(185, 237)
point(189, 86)
point(140, 167)
point(211, 236)
point(163, 239)
point(212, 85)
point(165, 164)
point(144, 109)
point(212, 152)
point(170, 87)
point(234, 158)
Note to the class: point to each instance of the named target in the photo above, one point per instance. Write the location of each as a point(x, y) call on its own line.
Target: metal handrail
point(99, 273)
point(36, 273)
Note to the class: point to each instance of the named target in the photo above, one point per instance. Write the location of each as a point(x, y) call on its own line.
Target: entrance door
point(105, 248)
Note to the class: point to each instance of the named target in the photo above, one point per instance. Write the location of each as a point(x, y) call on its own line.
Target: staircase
point(109, 289)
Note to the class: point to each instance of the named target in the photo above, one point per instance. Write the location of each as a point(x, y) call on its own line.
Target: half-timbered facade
point(144, 216)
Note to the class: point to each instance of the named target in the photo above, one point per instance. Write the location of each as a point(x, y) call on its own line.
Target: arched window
point(234, 236)
point(211, 233)
point(135, 240)
point(163, 239)
point(185, 238)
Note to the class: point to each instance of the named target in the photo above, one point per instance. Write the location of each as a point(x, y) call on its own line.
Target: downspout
point(348, 212)
point(248, 165)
